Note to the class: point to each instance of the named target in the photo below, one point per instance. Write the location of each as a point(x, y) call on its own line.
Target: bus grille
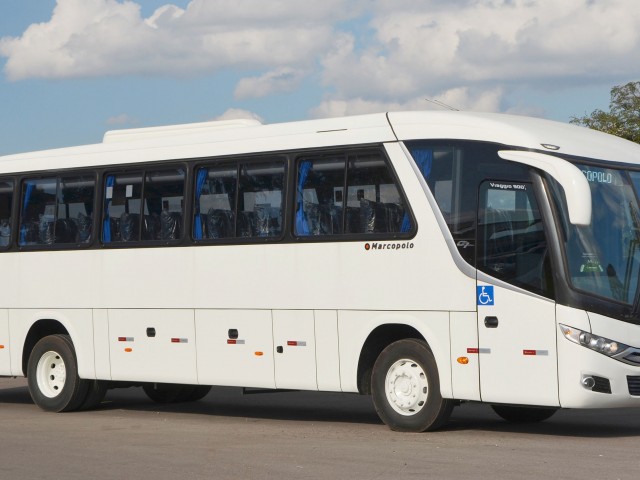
point(634, 385)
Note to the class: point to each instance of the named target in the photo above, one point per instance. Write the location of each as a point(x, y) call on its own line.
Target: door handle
point(491, 322)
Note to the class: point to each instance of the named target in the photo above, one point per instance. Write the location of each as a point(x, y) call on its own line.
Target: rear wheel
point(52, 374)
point(406, 388)
point(95, 394)
point(198, 393)
point(523, 414)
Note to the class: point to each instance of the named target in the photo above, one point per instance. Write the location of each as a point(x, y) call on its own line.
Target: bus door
point(516, 317)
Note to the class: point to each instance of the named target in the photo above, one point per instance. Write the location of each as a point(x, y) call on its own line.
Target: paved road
point(301, 435)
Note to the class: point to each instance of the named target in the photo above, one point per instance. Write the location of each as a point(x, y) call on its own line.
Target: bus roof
point(247, 136)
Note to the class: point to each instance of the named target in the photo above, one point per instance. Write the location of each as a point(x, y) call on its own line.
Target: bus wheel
point(406, 388)
point(52, 374)
point(166, 392)
point(96, 392)
point(523, 414)
point(198, 393)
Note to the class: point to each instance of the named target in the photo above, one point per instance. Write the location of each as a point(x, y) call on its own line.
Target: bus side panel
point(327, 354)
point(235, 348)
point(295, 357)
point(150, 345)
point(355, 326)
point(79, 324)
point(5, 356)
point(465, 366)
point(101, 343)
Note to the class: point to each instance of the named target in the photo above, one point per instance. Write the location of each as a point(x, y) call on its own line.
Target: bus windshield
point(603, 259)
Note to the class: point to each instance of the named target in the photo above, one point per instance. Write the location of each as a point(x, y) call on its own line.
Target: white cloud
point(457, 99)
point(283, 79)
point(90, 38)
point(484, 48)
point(122, 119)
point(370, 54)
point(239, 114)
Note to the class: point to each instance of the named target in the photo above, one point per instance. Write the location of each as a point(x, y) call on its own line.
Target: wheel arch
point(379, 339)
point(40, 329)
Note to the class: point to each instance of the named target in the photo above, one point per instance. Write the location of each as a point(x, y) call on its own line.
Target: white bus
point(424, 258)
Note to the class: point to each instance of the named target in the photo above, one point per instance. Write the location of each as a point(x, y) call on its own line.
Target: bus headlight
point(603, 345)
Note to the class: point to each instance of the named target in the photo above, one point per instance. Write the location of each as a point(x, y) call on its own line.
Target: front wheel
point(406, 388)
point(52, 375)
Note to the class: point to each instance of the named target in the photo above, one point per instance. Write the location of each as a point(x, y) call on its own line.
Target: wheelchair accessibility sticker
point(484, 294)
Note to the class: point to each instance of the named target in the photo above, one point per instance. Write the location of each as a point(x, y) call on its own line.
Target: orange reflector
point(463, 360)
point(1, 347)
point(259, 354)
point(128, 349)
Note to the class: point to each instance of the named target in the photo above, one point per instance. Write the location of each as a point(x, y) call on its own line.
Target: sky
point(72, 69)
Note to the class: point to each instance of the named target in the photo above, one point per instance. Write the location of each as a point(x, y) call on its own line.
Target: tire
point(198, 393)
point(95, 394)
point(52, 375)
point(523, 414)
point(406, 388)
point(166, 392)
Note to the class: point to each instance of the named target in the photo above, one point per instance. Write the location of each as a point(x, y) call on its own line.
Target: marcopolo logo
point(388, 246)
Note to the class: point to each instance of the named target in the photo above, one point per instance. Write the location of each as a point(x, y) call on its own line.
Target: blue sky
point(72, 69)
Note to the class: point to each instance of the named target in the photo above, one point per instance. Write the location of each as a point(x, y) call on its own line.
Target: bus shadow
point(605, 423)
point(356, 409)
point(231, 402)
point(15, 395)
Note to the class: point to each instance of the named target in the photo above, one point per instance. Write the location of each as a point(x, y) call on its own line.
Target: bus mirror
point(575, 185)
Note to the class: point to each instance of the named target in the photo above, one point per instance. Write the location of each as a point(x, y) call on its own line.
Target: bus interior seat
point(83, 226)
point(246, 224)
point(5, 232)
point(218, 223)
point(65, 231)
point(129, 226)
point(170, 223)
point(151, 227)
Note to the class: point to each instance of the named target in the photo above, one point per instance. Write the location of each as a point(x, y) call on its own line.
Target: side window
point(6, 203)
point(454, 173)
point(260, 199)
point(148, 210)
point(242, 199)
point(74, 218)
point(372, 203)
point(57, 210)
point(38, 214)
point(215, 202)
point(163, 205)
point(319, 197)
point(122, 206)
point(511, 240)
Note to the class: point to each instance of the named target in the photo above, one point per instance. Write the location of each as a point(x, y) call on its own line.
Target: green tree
point(623, 117)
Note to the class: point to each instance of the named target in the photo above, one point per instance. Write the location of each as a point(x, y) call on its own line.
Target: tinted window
point(143, 206)
point(243, 199)
point(372, 203)
point(511, 242)
point(6, 202)
point(454, 173)
point(57, 210)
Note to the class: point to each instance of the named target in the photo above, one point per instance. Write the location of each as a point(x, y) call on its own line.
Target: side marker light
point(128, 349)
point(463, 360)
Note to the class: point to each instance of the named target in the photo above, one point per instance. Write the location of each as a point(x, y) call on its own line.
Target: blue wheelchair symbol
point(485, 295)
